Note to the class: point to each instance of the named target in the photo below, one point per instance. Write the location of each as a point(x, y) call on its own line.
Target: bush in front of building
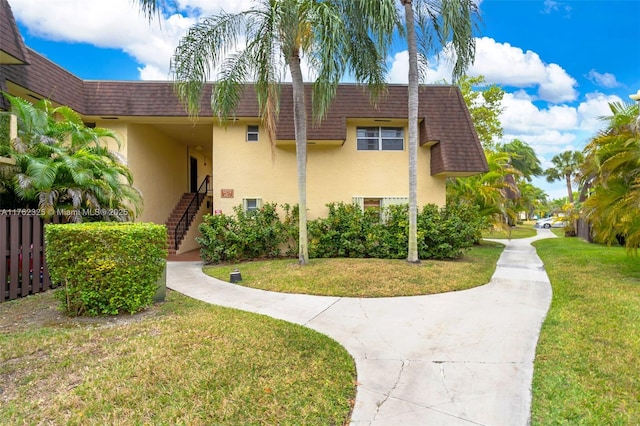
point(347, 231)
point(106, 268)
point(245, 235)
point(446, 233)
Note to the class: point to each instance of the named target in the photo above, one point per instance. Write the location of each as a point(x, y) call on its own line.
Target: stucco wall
point(160, 169)
point(334, 173)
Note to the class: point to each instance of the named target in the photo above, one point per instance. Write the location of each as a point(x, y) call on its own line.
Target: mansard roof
point(444, 118)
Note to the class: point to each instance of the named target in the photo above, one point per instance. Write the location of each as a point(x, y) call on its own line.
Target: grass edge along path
point(587, 361)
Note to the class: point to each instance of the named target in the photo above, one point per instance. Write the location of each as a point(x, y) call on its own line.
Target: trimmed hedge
point(106, 267)
point(347, 231)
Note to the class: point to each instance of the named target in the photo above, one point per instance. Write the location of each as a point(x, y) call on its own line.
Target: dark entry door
point(193, 170)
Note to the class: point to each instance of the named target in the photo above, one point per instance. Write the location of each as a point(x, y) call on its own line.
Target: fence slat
point(36, 254)
point(14, 226)
point(25, 255)
point(4, 258)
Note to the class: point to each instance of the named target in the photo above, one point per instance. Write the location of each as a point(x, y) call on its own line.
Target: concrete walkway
point(462, 358)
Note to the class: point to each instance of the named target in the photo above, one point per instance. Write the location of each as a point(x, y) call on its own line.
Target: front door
point(193, 170)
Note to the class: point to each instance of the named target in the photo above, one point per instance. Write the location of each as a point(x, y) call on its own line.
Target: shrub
point(446, 233)
point(347, 231)
point(106, 267)
point(247, 235)
point(340, 234)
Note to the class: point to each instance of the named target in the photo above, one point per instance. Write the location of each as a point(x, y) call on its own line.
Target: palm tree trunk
point(300, 124)
point(569, 190)
point(413, 97)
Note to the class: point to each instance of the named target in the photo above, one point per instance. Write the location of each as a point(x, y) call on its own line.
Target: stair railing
point(191, 211)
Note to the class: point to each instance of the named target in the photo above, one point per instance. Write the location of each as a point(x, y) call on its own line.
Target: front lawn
point(587, 367)
point(367, 277)
point(182, 362)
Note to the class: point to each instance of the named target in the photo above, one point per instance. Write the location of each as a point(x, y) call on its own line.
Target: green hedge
point(347, 231)
point(246, 235)
point(5, 130)
point(106, 267)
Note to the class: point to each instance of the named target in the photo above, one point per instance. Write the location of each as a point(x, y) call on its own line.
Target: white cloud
point(211, 7)
point(506, 65)
point(596, 105)
point(399, 69)
point(114, 24)
point(149, 72)
point(605, 80)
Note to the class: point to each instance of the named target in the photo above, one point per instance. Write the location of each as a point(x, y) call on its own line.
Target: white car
point(551, 222)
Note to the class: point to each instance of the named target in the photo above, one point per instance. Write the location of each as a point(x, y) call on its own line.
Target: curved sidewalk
point(462, 358)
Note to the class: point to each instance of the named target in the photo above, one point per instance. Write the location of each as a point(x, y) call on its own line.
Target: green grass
point(587, 367)
point(520, 231)
point(186, 362)
point(189, 363)
point(367, 277)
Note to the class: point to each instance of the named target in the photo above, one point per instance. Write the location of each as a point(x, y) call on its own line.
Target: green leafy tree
point(62, 165)
point(485, 106)
point(611, 171)
point(258, 45)
point(566, 166)
point(431, 24)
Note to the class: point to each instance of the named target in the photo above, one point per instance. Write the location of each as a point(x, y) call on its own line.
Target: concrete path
point(462, 358)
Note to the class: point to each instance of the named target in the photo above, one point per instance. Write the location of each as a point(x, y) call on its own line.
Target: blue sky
point(559, 62)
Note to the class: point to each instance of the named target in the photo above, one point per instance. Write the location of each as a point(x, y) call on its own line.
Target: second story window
point(380, 138)
point(252, 133)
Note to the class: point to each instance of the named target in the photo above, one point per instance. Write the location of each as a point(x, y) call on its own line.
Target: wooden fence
point(23, 269)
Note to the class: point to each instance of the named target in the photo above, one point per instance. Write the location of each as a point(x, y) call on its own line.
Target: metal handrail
point(190, 212)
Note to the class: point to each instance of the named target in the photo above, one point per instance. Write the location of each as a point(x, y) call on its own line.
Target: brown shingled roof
point(11, 42)
point(445, 119)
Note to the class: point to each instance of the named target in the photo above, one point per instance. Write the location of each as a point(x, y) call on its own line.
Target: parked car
point(551, 222)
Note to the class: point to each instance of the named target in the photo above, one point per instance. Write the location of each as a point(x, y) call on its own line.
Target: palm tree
point(439, 21)
point(567, 166)
point(334, 37)
point(488, 191)
point(611, 171)
point(523, 158)
point(62, 165)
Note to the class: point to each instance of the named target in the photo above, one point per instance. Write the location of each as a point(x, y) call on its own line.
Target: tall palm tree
point(567, 165)
point(446, 23)
point(62, 165)
point(333, 36)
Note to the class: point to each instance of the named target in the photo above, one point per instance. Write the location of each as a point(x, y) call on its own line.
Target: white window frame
point(253, 131)
point(250, 200)
point(379, 138)
point(384, 202)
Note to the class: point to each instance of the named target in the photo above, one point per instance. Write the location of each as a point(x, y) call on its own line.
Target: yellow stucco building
point(358, 153)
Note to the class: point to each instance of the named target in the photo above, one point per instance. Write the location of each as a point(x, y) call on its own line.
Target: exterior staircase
point(178, 213)
point(183, 214)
